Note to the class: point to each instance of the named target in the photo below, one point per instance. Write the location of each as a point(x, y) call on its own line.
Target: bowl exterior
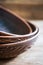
point(10, 51)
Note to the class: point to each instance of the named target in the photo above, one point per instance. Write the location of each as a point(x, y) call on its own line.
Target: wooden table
point(34, 55)
point(32, 11)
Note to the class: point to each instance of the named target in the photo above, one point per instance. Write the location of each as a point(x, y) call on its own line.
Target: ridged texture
point(12, 51)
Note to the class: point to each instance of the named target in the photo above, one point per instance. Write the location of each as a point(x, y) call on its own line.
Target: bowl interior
point(11, 23)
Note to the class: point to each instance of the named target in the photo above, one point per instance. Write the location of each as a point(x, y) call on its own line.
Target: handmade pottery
point(16, 34)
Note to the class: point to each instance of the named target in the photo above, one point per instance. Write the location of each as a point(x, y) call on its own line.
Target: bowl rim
point(21, 42)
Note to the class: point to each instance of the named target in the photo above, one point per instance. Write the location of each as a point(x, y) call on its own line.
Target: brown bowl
point(26, 34)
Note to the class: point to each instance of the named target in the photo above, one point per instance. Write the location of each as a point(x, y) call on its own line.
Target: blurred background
point(28, 9)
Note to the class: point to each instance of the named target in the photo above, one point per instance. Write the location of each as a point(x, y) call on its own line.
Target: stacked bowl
point(16, 34)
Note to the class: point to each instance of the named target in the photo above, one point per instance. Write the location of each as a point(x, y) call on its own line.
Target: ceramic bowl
point(20, 35)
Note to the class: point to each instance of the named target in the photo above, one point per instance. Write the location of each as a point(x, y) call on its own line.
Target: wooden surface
point(23, 1)
point(34, 55)
point(27, 11)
